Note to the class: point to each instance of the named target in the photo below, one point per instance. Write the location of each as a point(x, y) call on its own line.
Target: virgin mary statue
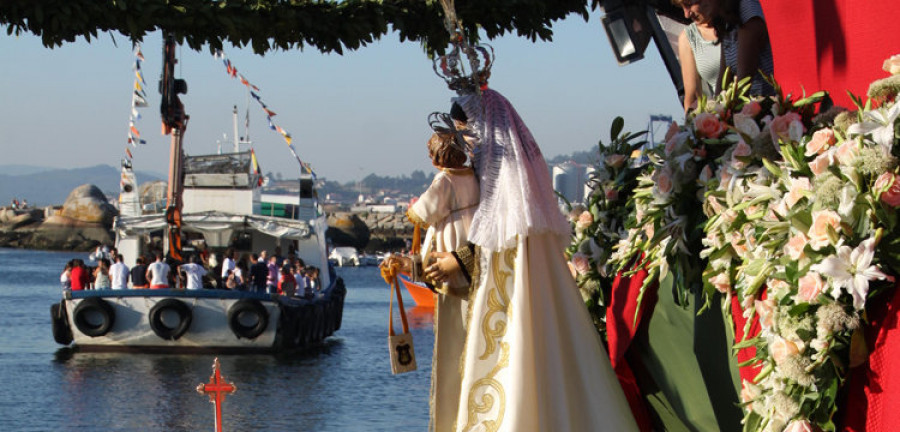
point(532, 359)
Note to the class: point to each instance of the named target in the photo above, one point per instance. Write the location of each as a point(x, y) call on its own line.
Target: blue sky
point(352, 115)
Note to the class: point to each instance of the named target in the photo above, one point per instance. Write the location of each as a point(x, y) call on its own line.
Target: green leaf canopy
point(266, 25)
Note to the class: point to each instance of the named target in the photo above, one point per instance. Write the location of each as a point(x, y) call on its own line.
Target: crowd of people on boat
point(256, 272)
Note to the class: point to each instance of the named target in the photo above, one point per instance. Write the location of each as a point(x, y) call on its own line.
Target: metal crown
point(460, 78)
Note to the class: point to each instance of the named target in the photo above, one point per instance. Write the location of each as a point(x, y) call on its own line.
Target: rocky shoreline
point(84, 221)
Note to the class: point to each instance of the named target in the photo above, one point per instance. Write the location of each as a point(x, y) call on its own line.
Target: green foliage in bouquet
point(599, 224)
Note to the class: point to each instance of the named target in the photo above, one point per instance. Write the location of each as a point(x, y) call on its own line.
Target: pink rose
point(809, 287)
point(612, 194)
point(847, 152)
point(664, 182)
point(799, 426)
point(820, 164)
point(721, 282)
point(751, 109)
point(795, 245)
point(821, 140)
point(782, 349)
point(892, 65)
point(616, 160)
point(766, 311)
point(780, 127)
point(888, 188)
point(708, 125)
point(823, 222)
point(581, 263)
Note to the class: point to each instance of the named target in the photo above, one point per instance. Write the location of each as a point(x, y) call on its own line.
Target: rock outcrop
point(347, 229)
point(83, 222)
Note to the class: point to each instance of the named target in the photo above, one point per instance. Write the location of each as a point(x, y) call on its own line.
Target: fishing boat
point(421, 294)
point(214, 202)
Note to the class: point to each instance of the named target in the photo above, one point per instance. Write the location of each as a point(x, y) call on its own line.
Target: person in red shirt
point(80, 278)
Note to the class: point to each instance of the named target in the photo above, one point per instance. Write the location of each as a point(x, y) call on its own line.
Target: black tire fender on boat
point(62, 333)
point(250, 306)
point(185, 316)
point(98, 306)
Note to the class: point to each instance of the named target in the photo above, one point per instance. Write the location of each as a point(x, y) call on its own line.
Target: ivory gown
point(533, 360)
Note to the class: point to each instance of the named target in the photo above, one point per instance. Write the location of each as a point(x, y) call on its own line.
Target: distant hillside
point(48, 186)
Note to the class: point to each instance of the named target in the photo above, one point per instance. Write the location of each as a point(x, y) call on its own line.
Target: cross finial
point(217, 388)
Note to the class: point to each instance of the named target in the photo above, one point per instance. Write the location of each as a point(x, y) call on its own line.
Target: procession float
point(213, 202)
point(763, 232)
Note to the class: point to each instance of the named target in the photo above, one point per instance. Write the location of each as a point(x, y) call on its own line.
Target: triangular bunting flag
point(138, 101)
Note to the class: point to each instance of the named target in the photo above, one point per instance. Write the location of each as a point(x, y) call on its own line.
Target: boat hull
point(196, 321)
point(423, 296)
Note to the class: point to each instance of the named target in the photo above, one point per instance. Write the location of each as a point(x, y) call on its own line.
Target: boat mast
point(237, 144)
point(174, 122)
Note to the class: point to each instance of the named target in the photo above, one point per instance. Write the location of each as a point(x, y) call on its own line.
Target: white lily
point(852, 270)
point(878, 123)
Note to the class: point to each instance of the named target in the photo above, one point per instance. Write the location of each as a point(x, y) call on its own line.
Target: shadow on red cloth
point(873, 388)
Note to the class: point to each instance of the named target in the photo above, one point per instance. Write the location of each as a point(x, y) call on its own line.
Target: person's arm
point(751, 39)
point(689, 75)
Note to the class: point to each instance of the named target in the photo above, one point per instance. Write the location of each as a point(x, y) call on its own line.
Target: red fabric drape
point(621, 326)
point(873, 389)
point(833, 45)
point(747, 372)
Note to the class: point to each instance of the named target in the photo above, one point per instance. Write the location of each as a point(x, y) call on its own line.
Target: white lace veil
point(517, 197)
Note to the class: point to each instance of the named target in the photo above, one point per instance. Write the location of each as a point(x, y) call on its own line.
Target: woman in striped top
point(733, 29)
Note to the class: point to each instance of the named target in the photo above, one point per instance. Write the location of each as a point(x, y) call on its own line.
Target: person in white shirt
point(158, 273)
point(194, 273)
point(118, 274)
point(228, 263)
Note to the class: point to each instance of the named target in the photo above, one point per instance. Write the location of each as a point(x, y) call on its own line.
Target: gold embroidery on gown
point(487, 392)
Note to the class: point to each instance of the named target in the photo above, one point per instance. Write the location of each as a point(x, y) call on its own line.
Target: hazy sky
point(352, 115)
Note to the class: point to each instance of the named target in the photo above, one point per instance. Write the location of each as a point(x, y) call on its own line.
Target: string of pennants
point(138, 100)
point(232, 71)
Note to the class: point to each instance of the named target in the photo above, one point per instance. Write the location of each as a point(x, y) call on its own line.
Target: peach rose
point(751, 109)
point(705, 175)
point(820, 164)
point(821, 140)
point(581, 263)
point(671, 144)
point(721, 282)
point(708, 125)
point(616, 160)
point(782, 349)
point(809, 287)
point(892, 65)
point(888, 188)
point(749, 393)
point(794, 246)
point(823, 220)
point(576, 211)
point(766, 311)
point(585, 219)
point(847, 152)
point(799, 187)
point(799, 426)
point(780, 126)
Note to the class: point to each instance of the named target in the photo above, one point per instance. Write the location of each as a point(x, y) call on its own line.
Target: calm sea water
point(346, 385)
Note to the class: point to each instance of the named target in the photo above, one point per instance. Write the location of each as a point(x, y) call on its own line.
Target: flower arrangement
point(792, 212)
point(600, 224)
point(820, 238)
